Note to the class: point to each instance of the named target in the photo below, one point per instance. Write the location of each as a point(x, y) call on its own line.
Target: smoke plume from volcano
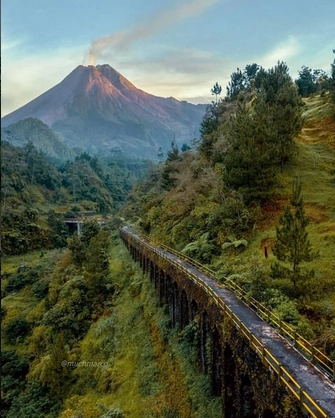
point(163, 19)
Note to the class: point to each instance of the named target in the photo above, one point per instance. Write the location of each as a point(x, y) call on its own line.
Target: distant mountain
point(96, 109)
point(43, 138)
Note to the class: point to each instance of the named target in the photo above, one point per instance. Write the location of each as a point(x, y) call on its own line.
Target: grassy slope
point(314, 163)
point(147, 374)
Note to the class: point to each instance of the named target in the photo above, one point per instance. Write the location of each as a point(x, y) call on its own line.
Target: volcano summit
point(96, 109)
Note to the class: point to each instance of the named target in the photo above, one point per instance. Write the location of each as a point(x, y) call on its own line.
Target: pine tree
point(217, 89)
point(170, 168)
point(208, 127)
point(249, 158)
point(292, 246)
point(278, 92)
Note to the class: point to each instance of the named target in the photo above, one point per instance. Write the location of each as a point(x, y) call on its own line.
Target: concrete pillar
point(184, 310)
point(229, 391)
point(204, 336)
point(216, 367)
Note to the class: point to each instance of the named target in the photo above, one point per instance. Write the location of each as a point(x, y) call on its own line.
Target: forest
point(253, 198)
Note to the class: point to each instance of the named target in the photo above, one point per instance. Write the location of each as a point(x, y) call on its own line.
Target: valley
point(252, 199)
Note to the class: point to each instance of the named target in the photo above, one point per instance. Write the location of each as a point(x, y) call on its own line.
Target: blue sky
point(176, 48)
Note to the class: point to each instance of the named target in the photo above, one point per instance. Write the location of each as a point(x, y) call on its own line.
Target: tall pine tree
point(249, 158)
point(280, 95)
point(292, 247)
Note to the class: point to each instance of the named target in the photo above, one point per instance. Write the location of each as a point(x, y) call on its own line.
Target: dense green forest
point(254, 199)
point(37, 194)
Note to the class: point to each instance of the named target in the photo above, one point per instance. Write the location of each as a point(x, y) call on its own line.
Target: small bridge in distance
point(75, 223)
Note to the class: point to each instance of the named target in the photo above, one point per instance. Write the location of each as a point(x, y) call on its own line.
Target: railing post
point(333, 379)
point(263, 354)
point(280, 372)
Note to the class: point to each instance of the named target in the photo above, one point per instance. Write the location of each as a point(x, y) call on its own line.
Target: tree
point(217, 89)
point(292, 246)
point(306, 82)
point(59, 229)
point(18, 328)
point(160, 154)
point(279, 98)
point(90, 230)
point(286, 121)
point(170, 168)
point(242, 81)
point(208, 127)
point(236, 85)
point(310, 81)
point(249, 158)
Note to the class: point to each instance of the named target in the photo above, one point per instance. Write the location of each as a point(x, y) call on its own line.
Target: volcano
point(97, 110)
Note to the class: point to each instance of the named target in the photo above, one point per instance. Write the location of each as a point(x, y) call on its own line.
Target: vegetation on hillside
point(37, 194)
point(21, 133)
point(82, 336)
point(228, 203)
point(223, 201)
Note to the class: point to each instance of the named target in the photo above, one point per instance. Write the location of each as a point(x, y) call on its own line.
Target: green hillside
point(203, 204)
point(37, 194)
point(254, 200)
point(44, 139)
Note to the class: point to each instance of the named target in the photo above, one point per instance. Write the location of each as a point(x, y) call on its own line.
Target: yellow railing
point(318, 358)
point(285, 378)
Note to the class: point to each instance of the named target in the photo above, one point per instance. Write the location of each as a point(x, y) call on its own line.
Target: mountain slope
point(44, 139)
point(96, 109)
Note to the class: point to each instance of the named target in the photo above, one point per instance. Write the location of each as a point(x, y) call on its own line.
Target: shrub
point(18, 328)
point(113, 413)
point(40, 289)
point(3, 312)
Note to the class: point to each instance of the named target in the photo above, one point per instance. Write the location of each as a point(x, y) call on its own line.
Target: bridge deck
point(311, 379)
point(314, 382)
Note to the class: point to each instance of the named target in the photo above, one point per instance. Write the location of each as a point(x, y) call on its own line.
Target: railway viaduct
point(253, 367)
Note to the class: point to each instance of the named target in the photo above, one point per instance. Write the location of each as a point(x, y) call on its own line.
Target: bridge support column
point(175, 311)
point(147, 266)
point(184, 310)
point(152, 272)
point(216, 366)
point(247, 401)
point(170, 298)
point(161, 288)
point(156, 278)
point(229, 392)
point(204, 335)
point(194, 311)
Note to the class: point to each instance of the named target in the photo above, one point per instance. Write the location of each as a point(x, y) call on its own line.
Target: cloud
point(163, 19)
point(10, 45)
point(313, 50)
point(184, 73)
point(285, 50)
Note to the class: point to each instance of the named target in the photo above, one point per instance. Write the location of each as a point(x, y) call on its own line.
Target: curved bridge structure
point(256, 370)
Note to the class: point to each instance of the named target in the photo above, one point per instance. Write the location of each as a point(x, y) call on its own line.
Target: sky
point(170, 48)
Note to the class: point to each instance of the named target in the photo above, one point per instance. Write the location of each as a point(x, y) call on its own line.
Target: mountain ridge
point(96, 109)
